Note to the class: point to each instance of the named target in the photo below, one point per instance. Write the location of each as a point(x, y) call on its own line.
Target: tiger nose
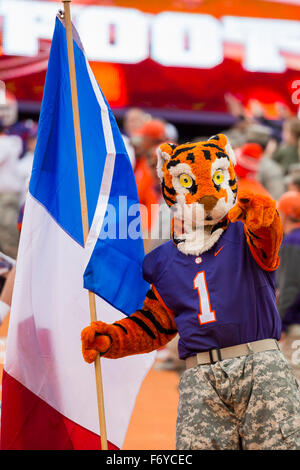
point(208, 202)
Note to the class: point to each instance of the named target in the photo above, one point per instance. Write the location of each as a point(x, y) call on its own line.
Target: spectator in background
point(160, 226)
point(294, 183)
point(10, 189)
point(237, 132)
point(134, 119)
point(274, 125)
point(270, 176)
point(9, 279)
point(148, 135)
point(292, 179)
point(151, 134)
point(6, 294)
point(25, 163)
point(151, 158)
point(287, 152)
point(259, 134)
point(288, 275)
point(171, 133)
point(246, 169)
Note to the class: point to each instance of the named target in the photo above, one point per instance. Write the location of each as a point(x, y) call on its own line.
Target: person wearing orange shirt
point(151, 134)
point(248, 157)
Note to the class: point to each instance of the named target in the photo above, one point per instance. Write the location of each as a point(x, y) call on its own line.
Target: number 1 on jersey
point(207, 315)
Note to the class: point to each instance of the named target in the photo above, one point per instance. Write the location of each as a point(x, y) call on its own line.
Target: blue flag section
point(114, 254)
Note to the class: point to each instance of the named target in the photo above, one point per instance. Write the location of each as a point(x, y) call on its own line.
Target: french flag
point(49, 398)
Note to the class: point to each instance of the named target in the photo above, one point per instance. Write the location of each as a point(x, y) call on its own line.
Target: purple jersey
point(220, 298)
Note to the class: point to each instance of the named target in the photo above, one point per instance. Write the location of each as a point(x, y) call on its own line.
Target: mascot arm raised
point(144, 331)
point(262, 226)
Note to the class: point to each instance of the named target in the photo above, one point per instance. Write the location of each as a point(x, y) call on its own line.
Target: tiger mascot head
point(199, 185)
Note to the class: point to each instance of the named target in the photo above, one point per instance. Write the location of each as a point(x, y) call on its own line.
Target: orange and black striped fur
point(145, 330)
point(200, 161)
point(198, 181)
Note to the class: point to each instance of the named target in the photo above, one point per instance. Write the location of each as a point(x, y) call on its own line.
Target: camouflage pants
point(251, 402)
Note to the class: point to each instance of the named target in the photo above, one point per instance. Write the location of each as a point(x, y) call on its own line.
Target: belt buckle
point(219, 355)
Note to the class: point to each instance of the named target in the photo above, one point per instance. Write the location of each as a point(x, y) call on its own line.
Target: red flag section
point(31, 424)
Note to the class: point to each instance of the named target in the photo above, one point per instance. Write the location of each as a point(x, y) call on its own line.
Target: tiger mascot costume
point(213, 283)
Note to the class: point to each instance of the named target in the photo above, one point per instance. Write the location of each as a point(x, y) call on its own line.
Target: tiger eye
point(218, 177)
point(185, 180)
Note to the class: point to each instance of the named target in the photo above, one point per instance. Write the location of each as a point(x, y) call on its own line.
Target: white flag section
point(49, 392)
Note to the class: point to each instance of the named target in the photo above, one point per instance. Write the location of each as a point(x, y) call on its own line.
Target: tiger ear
point(164, 152)
point(223, 141)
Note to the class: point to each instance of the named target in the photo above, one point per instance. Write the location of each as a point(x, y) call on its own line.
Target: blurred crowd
point(268, 162)
point(267, 151)
point(17, 145)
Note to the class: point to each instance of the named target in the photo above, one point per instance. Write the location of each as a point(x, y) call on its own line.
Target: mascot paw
point(94, 341)
point(254, 210)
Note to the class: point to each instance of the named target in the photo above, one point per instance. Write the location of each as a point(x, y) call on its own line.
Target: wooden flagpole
point(84, 210)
